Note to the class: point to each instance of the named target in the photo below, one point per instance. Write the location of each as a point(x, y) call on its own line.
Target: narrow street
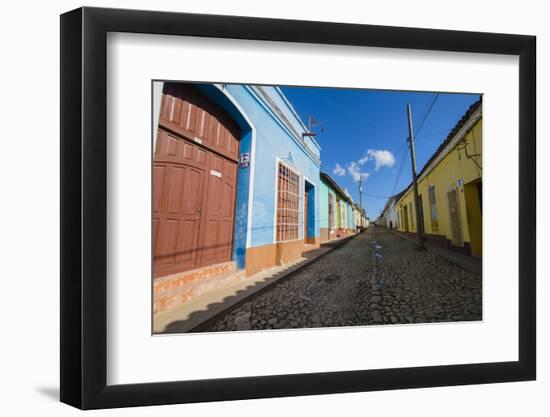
point(376, 278)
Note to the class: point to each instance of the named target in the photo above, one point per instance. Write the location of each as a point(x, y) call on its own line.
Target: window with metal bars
point(288, 204)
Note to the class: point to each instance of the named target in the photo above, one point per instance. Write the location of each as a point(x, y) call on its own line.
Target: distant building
point(389, 217)
point(339, 215)
point(360, 218)
point(450, 189)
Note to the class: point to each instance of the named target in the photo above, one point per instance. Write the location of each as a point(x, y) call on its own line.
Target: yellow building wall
point(455, 166)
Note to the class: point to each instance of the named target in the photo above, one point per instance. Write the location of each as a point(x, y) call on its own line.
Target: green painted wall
point(323, 204)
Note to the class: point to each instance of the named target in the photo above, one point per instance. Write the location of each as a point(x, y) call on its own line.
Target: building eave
point(263, 98)
point(335, 186)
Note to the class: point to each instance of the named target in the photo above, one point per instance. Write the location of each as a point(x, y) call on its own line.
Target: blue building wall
point(244, 179)
point(241, 206)
point(289, 112)
point(268, 140)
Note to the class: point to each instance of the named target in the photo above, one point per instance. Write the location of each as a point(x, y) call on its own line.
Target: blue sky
point(365, 133)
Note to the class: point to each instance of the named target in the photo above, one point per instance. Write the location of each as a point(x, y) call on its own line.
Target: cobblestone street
point(376, 278)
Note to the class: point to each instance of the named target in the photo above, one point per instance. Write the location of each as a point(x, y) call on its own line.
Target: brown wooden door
point(217, 226)
point(455, 220)
point(186, 111)
point(194, 183)
point(178, 187)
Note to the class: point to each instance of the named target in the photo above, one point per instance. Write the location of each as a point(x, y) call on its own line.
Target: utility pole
point(419, 222)
point(361, 193)
point(361, 201)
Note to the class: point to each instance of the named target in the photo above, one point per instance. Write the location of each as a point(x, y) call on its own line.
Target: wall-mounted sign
point(245, 159)
point(215, 173)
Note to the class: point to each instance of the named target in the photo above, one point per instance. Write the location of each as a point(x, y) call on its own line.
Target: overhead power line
point(437, 133)
point(403, 148)
point(426, 114)
point(378, 196)
point(401, 164)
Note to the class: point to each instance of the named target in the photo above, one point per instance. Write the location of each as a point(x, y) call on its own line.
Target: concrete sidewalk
point(469, 263)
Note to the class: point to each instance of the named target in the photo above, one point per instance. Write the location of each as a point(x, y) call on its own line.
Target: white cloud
point(363, 160)
point(381, 158)
point(355, 171)
point(339, 170)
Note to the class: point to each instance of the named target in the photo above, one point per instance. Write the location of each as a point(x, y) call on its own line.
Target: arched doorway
point(194, 181)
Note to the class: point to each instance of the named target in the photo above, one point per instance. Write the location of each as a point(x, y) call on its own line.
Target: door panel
point(173, 188)
point(186, 241)
point(176, 216)
point(158, 179)
point(219, 211)
point(188, 112)
point(193, 208)
point(454, 213)
point(194, 182)
point(192, 187)
point(164, 252)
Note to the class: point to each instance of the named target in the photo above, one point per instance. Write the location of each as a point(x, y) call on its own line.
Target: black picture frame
point(84, 207)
